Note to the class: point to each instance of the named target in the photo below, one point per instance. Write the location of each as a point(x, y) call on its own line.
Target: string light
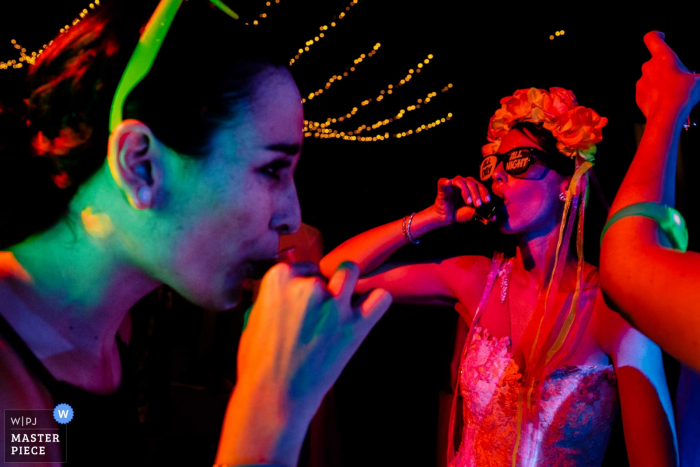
point(308, 44)
point(311, 128)
point(557, 34)
point(389, 90)
point(30, 58)
point(263, 15)
point(318, 127)
point(345, 74)
point(382, 136)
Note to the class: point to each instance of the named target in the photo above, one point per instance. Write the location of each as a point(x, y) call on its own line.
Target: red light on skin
point(10, 268)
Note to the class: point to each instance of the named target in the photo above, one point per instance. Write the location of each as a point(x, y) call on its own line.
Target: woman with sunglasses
point(125, 166)
point(545, 361)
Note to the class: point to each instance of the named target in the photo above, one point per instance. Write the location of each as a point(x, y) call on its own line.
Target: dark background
point(386, 400)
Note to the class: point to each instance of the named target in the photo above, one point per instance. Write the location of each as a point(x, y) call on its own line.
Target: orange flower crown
point(577, 129)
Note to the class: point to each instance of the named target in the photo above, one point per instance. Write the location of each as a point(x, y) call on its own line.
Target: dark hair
point(545, 139)
point(205, 72)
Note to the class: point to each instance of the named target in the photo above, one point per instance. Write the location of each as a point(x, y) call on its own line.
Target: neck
point(536, 254)
point(72, 293)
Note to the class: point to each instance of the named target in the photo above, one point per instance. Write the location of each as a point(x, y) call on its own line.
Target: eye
point(274, 168)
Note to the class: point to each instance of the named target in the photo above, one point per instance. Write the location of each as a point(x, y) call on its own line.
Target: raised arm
point(424, 283)
point(647, 412)
point(653, 287)
point(371, 249)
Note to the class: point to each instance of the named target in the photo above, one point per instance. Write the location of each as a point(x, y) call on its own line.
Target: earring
point(562, 197)
point(144, 194)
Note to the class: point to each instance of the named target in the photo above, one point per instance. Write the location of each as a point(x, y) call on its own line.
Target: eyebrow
point(288, 149)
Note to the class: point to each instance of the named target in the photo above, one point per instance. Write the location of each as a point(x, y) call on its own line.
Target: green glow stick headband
point(146, 52)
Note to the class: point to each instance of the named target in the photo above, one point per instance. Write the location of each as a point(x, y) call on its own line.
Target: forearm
point(258, 429)
point(372, 248)
point(652, 174)
point(650, 178)
point(632, 258)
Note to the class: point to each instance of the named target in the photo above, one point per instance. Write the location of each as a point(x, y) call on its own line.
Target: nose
point(287, 217)
point(498, 177)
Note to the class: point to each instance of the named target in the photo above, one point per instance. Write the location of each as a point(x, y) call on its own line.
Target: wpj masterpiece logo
point(37, 435)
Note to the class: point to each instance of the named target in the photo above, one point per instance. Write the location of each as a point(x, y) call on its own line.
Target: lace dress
point(574, 405)
point(576, 408)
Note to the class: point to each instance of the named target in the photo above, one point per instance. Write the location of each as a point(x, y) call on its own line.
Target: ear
point(135, 161)
point(564, 184)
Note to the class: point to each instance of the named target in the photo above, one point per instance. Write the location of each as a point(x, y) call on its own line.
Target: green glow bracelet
point(670, 220)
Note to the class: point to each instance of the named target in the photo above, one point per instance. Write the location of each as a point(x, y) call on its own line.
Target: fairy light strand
point(263, 15)
point(382, 137)
point(389, 90)
point(345, 74)
point(316, 127)
point(311, 128)
point(30, 58)
point(308, 44)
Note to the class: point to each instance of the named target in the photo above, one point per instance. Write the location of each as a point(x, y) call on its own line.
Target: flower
point(579, 132)
point(561, 101)
point(577, 129)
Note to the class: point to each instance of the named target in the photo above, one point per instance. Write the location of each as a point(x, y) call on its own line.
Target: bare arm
point(653, 287)
point(431, 283)
point(371, 249)
point(647, 413)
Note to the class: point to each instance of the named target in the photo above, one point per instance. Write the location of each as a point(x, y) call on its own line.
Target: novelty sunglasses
point(146, 52)
point(515, 162)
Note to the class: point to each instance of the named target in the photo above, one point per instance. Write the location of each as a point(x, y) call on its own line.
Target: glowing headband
point(146, 52)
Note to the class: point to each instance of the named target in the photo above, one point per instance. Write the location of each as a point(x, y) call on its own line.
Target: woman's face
point(231, 207)
point(530, 204)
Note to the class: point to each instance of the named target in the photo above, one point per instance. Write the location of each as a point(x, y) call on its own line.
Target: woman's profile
point(125, 167)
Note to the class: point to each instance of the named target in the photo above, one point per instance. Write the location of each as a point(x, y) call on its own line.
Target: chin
point(214, 299)
point(506, 228)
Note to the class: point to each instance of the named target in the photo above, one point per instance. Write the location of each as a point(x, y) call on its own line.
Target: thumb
point(444, 185)
point(465, 214)
point(654, 41)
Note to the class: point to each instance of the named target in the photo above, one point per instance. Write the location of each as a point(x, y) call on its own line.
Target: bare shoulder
point(460, 270)
point(19, 389)
point(466, 277)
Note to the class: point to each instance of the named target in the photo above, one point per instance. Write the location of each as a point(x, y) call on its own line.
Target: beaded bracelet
point(670, 221)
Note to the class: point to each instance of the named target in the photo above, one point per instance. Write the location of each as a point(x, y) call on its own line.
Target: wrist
point(260, 427)
point(669, 117)
point(434, 218)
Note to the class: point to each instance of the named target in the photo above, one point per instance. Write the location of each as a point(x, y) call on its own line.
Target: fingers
point(305, 269)
point(654, 41)
point(475, 192)
point(464, 214)
point(277, 276)
point(342, 284)
point(484, 192)
point(461, 183)
point(375, 305)
point(444, 185)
